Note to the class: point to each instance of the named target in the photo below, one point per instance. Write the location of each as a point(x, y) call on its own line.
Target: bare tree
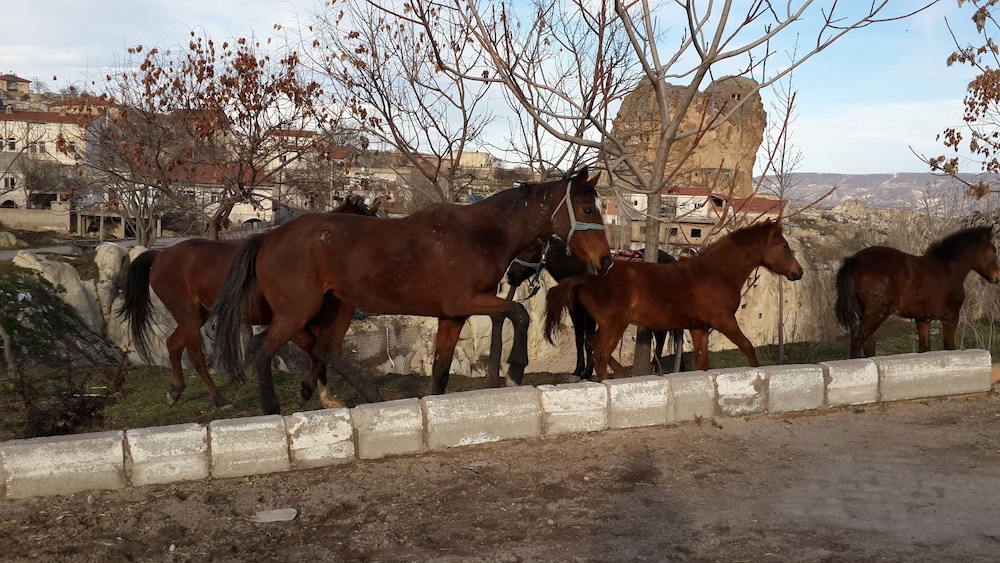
point(232, 115)
point(979, 133)
point(387, 75)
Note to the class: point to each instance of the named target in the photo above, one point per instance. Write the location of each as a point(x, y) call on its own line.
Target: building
point(690, 217)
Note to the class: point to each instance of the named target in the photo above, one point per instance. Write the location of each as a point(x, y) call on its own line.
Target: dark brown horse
point(444, 261)
point(880, 281)
point(551, 256)
point(186, 277)
point(700, 293)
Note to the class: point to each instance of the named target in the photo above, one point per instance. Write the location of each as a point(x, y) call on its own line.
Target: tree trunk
point(641, 364)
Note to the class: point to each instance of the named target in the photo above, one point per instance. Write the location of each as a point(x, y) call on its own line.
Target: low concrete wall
point(267, 444)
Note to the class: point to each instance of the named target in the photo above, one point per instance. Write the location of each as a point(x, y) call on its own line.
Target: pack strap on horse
point(536, 279)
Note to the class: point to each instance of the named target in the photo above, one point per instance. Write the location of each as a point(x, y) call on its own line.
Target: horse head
point(986, 263)
point(778, 255)
point(577, 220)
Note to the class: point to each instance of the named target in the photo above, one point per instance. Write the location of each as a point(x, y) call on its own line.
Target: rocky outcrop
point(723, 157)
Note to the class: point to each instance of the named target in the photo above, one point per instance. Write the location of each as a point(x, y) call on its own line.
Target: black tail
point(232, 304)
point(136, 307)
point(559, 298)
point(848, 307)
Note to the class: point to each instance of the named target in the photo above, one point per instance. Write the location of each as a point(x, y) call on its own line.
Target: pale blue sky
point(862, 103)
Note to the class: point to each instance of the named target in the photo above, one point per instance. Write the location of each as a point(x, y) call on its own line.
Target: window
point(41, 147)
point(72, 146)
point(673, 231)
point(695, 233)
point(9, 182)
point(12, 144)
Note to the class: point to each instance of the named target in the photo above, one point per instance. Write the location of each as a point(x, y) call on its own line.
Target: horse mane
point(953, 244)
point(741, 237)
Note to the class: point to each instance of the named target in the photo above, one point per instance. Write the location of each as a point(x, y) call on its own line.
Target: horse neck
point(526, 215)
point(735, 262)
point(958, 266)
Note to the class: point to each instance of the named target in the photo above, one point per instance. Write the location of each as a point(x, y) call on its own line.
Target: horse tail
point(136, 307)
point(232, 304)
point(848, 307)
point(559, 298)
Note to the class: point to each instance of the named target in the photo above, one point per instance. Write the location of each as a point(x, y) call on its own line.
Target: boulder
point(78, 294)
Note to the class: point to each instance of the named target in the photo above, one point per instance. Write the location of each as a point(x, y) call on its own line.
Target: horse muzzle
point(602, 268)
point(794, 276)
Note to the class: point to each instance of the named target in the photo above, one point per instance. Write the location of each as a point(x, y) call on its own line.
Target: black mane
point(952, 245)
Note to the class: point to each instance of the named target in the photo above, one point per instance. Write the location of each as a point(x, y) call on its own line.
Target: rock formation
point(723, 157)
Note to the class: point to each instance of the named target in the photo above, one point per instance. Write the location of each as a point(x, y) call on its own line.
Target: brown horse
point(698, 293)
point(186, 277)
point(444, 261)
point(880, 281)
point(550, 255)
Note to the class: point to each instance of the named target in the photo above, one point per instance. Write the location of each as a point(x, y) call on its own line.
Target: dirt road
point(915, 481)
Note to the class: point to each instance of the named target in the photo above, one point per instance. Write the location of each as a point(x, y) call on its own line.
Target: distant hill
point(906, 190)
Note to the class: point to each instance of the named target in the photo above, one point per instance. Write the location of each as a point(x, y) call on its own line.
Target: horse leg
point(582, 328)
point(949, 326)
point(192, 335)
point(518, 358)
point(314, 348)
point(265, 345)
point(175, 349)
point(678, 341)
point(659, 338)
point(617, 371)
point(923, 336)
point(496, 345)
point(448, 332)
point(699, 341)
point(863, 335)
point(731, 330)
point(333, 336)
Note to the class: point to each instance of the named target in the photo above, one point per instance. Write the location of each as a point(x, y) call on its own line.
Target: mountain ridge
point(905, 190)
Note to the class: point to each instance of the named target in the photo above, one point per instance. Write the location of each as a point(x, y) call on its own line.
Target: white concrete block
point(61, 465)
point(934, 374)
point(637, 401)
point(692, 396)
point(794, 387)
point(477, 417)
point(851, 382)
point(167, 454)
point(574, 407)
point(320, 438)
point(739, 390)
point(248, 446)
point(389, 428)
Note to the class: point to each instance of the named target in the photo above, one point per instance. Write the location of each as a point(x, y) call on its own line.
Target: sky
point(865, 105)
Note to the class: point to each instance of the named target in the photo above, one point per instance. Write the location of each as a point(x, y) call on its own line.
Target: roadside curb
point(266, 444)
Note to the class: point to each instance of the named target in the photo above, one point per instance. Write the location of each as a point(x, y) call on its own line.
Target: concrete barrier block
point(637, 401)
point(794, 387)
point(692, 396)
point(389, 428)
point(248, 446)
point(320, 438)
point(740, 391)
point(62, 465)
point(477, 417)
point(851, 382)
point(574, 407)
point(167, 454)
point(933, 374)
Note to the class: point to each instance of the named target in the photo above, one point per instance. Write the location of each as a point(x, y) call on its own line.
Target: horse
point(550, 255)
point(186, 277)
point(443, 261)
point(880, 281)
point(699, 293)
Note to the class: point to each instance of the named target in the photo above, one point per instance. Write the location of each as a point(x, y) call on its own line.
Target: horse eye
point(588, 210)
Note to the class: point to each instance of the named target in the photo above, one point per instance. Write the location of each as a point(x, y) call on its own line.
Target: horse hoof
point(332, 403)
point(508, 382)
point(573, 379)
point(222, 403)
point(171, 400)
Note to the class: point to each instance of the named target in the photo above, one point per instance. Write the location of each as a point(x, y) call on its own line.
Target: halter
point(574, 225)
point(536, 280)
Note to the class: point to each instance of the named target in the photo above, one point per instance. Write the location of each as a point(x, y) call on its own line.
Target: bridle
point(574, 225)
